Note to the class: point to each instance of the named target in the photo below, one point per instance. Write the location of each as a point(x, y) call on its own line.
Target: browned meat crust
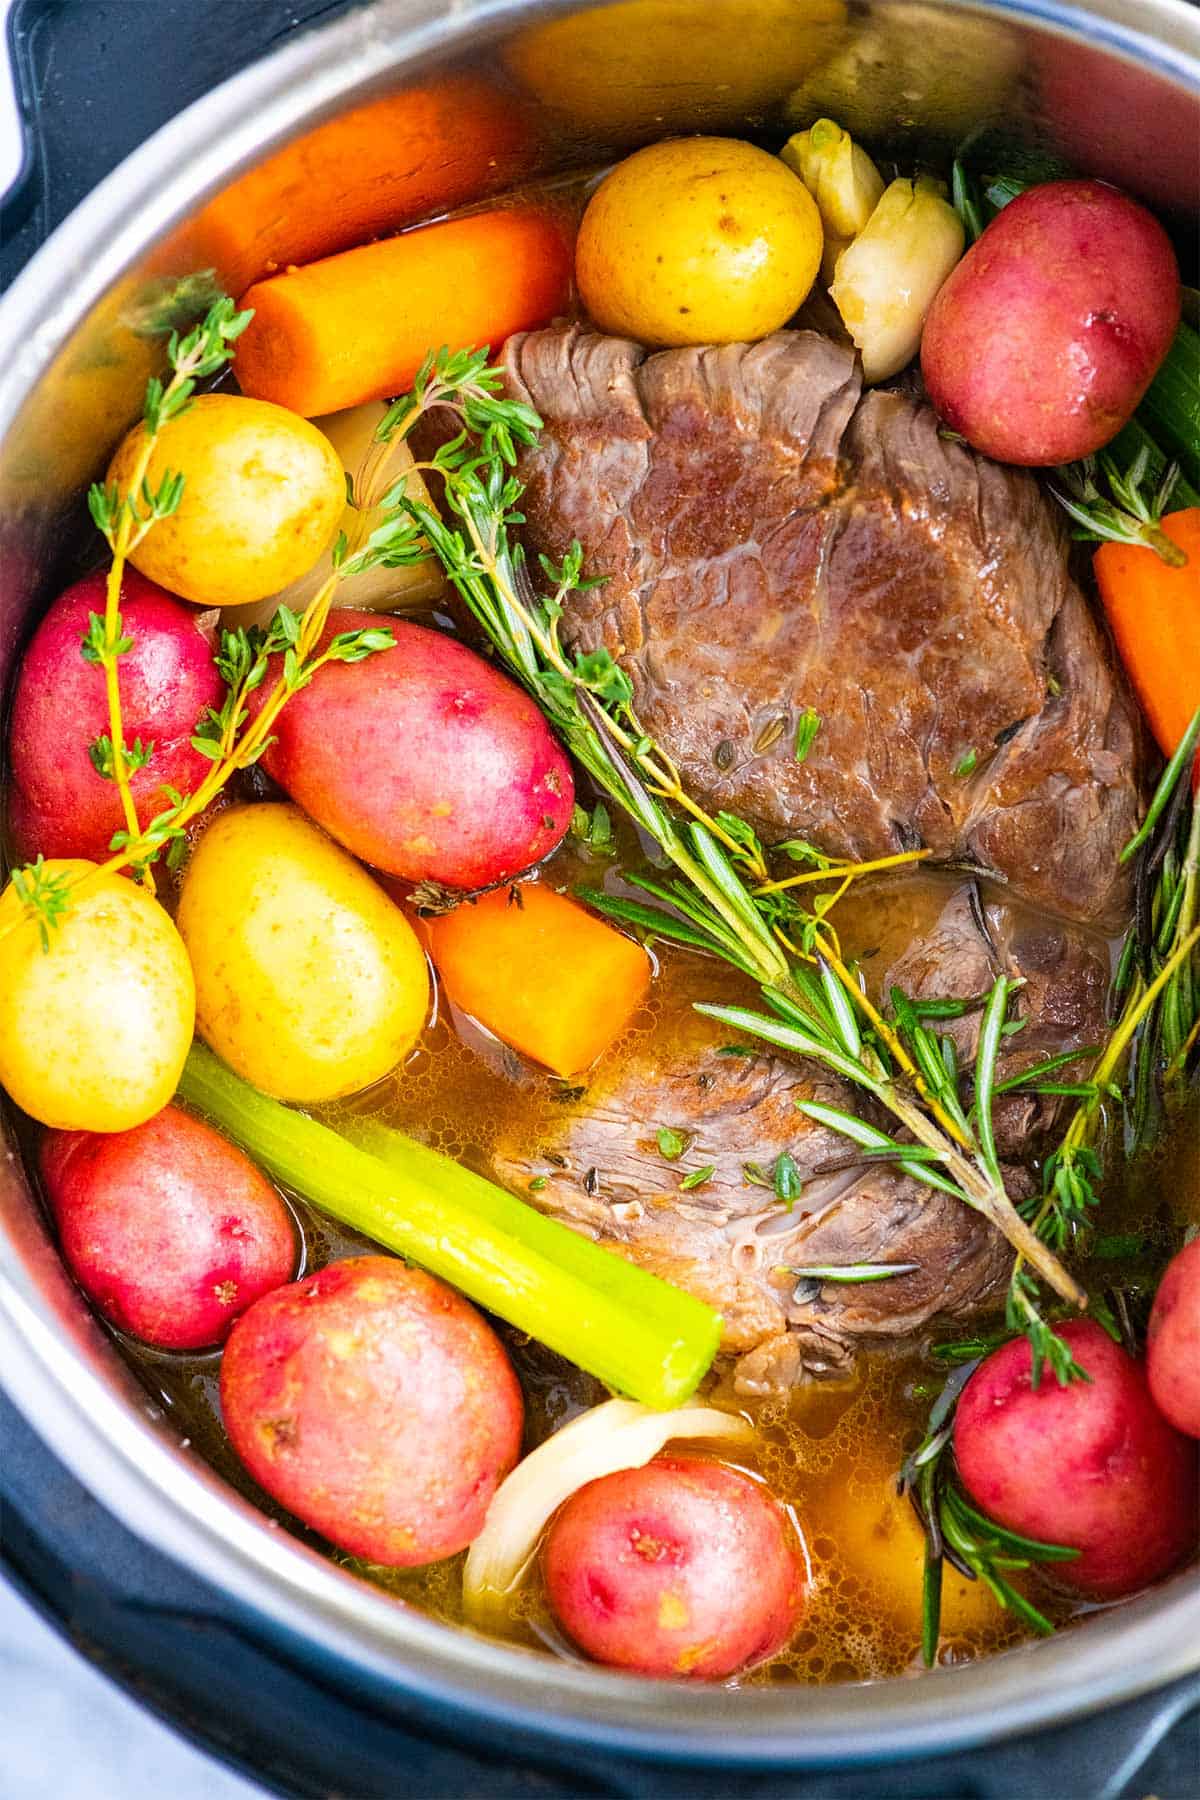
point(773, 541)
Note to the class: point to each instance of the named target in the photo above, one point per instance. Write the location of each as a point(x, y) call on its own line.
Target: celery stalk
point(641, 1336)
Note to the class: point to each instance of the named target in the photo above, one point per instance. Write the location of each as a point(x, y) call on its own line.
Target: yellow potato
point(698, 241)
point(263, 494)
point(880, 1540)
point(310, 982)
point(352, 434)
point(655, 65)
point(94, 1030)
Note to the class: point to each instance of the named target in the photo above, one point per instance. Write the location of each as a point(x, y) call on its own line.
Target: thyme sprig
point(232, 737)
point(958, 1533)
point(124, 517)
point(710, 900)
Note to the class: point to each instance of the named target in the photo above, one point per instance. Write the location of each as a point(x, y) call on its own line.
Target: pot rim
point(119, 1444)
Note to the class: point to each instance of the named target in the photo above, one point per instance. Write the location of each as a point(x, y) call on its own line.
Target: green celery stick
point(636, 1333)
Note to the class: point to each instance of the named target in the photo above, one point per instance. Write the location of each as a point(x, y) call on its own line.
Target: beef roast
point(729, 1239)
point(1064, 976)
point(773, 541)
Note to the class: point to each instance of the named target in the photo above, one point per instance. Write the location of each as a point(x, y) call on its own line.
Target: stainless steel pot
point(1116, 86)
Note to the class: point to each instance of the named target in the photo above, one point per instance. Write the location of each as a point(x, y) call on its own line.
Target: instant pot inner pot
point(403, 111)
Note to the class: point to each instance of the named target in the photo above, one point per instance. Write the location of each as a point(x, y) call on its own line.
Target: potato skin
point(94, 1031)
point(310, 982)
point(1044, 338)
point(169, 1229)
point(264, 493)
point(1093, 1465)
point(681, 1567)
point(700, 240)
point(60, 806)
point(424, 760)
point(377, 1405)
point(1173, 1342)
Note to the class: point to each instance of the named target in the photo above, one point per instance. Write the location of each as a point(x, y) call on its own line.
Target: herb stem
point(1132, 1018)
point(989, 1199)
point(897, 1050)
point(112, 678)
point(836, 870)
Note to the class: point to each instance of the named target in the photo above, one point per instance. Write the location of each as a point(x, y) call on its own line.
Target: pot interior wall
point(443, 106)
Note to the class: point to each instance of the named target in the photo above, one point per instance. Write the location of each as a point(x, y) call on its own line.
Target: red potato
point(424, 760)
point(1093, 1465)
point(169, 1229)
point(60, 806)
point(681, 1567)
point(1046, 335)
point(377, 1405)
point(1173, 1342)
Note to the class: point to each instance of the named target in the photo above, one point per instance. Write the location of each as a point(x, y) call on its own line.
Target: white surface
point(69, 1733)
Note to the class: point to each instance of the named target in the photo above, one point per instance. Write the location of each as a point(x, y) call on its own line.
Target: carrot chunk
point(1154, 613)
point(540, 972)
point(373, 170)
point(358, 326)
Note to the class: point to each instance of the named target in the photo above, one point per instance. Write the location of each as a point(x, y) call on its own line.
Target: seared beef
point(1065, 977)
point(773, 541)
point(730, 1240)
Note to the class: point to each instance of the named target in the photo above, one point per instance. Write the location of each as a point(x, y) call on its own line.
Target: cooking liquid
point(830, 1452)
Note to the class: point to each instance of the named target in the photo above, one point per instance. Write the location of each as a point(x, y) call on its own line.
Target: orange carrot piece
point(375, 169)
point(1154, 613)
point(540, 972)
point(358, 326)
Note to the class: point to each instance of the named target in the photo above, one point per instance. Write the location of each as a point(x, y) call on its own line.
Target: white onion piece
point(620, 1434)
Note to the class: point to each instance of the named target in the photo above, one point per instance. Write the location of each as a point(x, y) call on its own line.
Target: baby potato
point(701, 240)
point(880, 1540)
point(310, 982)
point(94, 1029)
point(263, 494)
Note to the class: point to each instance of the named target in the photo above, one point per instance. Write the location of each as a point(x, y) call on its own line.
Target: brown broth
point(831, 1452)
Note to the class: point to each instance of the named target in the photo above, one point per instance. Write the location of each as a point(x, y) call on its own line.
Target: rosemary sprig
point(711, 901)
point(822, 1027)
point(1118, 505)
point(1153, 1037)
point(957, 1532)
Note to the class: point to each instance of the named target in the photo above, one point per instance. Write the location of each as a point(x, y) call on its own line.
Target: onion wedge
point(620, 1434)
